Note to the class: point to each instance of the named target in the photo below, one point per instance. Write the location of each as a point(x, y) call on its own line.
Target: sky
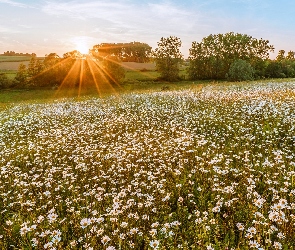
point(46, 26)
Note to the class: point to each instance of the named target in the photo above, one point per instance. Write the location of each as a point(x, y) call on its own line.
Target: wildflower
point(281, 235)
point(277, 245)
point(100, 220)
point(35, 242)
point(73, 243)
point(216, 209)
point(24, 230)
point(154, 244)
point(48, 245)
point(156, 224)
point(133, 230)
point(166, 198)
point(100, 232)
point(84, 223)
point(9, 222)
point(55, 239)
point(105, 239)
point(52, 217)
point(153, 232)
point(251, 230)
point(240, 226)
point(259, 202)
point(254, 243)
point(209, 247)
point(124, 224)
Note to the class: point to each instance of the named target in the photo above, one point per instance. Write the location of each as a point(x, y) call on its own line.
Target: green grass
point(141, 75)
point(132, 86)
point(14, 58)
point(9, 73)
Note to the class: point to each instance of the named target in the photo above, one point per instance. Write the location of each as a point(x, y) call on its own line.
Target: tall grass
point(209, 168)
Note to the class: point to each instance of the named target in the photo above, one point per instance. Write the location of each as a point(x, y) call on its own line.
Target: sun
point(82, 48)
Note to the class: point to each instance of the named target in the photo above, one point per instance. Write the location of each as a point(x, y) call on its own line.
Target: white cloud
point(13, 3)
point(119, 21)
point(5, 29)
point(96, 21)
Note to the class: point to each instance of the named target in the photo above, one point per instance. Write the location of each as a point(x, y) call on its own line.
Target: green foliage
point(114, 72)
point(126, 52)
point(281, 56)
point(34, 70)
point(4, 81)
point(21, 75)
point(168, 58)
point(75, 54)
point(275, 70)
point(211, 58)
point(54, 71)
point(14, 58)
point(240, 70)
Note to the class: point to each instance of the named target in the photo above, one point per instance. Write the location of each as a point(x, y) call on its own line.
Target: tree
point(75, 54)
point(108, 63)
point(211, 58)
point(126, 52)
point(4, 81)
point(168, 57)
point(53, 72)
point(113, 70)
point(275, 70)
point(291, 56)
point(34, 70)
point(281, 56)
point(21, 75)
point(240, 70)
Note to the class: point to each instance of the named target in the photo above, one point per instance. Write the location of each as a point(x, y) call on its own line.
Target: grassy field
point(201, 166)
point(9, 73)
point(14, 58)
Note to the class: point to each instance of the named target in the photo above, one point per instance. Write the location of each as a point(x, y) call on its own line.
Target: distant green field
point(48, 94)
point(141, 76)
point(14, 58)
point(9, 73)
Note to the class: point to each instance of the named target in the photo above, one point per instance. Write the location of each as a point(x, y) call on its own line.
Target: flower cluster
point(191, 169)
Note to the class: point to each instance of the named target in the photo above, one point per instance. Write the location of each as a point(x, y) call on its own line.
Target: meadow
point(202, 167)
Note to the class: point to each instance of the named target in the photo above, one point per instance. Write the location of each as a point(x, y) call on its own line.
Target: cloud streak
point(15, 4)
point(63, 22)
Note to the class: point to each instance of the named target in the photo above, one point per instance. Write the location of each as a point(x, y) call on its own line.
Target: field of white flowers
point(205, 169)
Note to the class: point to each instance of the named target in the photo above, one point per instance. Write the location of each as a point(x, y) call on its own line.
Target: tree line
point(125, 52)
point(230, 56)
point(13, 53)
point(72, 70)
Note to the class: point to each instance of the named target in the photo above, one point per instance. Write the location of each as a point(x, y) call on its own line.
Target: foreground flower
point(154, 244)
point(105, 239)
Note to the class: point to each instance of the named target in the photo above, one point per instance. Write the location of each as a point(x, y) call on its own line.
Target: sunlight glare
point(82, 48)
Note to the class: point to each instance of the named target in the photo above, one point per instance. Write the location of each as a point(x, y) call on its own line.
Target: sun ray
point(51, 67)
point(81, 77)
point(73, 71)
point(92, 64)
point(94, 79)
point(116, 62)
point(107, 73)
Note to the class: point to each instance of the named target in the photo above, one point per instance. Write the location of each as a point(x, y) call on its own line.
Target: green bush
point(240, 70)
point(113, 70)
point(4, 81)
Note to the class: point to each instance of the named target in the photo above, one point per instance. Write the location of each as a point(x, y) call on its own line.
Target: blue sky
point(45, 26)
